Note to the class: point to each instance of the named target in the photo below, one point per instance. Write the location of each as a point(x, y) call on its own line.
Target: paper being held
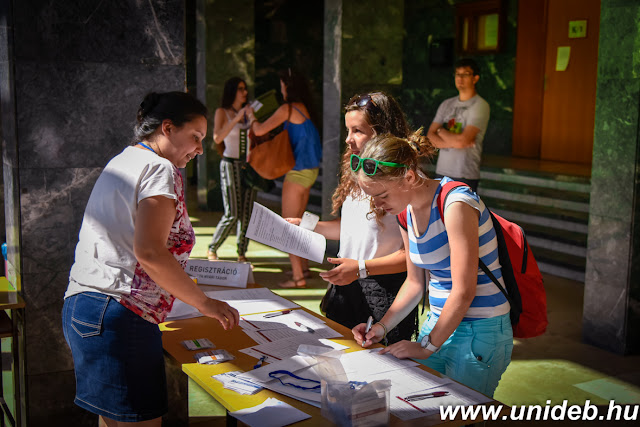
point(271, 229)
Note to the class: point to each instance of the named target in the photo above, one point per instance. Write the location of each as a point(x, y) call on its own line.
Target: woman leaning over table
point(371, 264)
point(230, 119)
point(133, 245)
point(467, 334)
point(307, 150)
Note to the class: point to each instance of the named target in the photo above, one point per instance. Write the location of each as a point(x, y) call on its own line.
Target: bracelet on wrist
point(384, 328)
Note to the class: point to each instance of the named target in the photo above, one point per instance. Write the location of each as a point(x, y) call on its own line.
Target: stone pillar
point(230, 52)
point(200, 79)
point(80, 70)
point(611, 318)
point(332, 121)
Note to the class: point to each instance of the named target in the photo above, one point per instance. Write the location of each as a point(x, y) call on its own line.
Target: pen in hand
point(367, 329)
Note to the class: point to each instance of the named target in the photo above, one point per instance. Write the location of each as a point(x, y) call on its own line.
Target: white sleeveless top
point(360, 235)
point(232, 141)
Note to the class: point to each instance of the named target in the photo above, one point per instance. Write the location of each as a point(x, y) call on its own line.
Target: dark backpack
point(523, 281)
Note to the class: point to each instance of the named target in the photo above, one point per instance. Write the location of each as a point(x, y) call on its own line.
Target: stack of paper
point(246, 301)
point(231, 381)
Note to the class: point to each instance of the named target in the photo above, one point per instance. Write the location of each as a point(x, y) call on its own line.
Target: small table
point(11, 300)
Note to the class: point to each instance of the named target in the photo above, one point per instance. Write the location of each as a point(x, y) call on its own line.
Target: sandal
point(293, 284)
point(306, 273)
point(243, 258)
point(212, 256)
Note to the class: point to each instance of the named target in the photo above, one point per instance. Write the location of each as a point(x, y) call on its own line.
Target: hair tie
point(415, 147)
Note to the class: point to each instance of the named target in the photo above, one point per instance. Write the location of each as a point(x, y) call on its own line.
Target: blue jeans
point(117, 357)
point(476, 354)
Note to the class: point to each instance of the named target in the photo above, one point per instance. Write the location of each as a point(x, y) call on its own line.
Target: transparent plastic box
point(356, 404)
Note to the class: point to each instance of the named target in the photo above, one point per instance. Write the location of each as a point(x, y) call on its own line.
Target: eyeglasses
point(463, 75)
point(364, 101)
point(370, 166)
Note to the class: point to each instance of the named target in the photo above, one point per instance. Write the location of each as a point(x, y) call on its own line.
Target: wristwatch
point(363, 273)
point(426, 343)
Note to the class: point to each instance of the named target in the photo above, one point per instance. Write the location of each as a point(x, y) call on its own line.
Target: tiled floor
point(556, 366)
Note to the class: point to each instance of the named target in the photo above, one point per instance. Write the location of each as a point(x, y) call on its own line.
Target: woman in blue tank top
point(295, 114)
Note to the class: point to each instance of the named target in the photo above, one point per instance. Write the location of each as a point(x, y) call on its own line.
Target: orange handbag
point(271, 156)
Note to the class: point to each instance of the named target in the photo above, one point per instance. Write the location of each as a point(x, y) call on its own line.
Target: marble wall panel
point(81, 114)
point(54, 408)
point(44, 296)
point(606, 281)
point(53, 203)
point(611, 311)
point(372, 40)
point(332, 120)
point(135, 32)
point(615, 140)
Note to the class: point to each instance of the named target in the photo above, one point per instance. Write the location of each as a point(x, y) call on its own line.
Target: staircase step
point(559, 234)
point(524, 191)
point(560, 271)
point(536, 178)
point(533, 219)
point(552, 257)
point(549, 212)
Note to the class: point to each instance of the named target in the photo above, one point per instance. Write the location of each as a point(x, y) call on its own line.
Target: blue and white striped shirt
point(431, 252)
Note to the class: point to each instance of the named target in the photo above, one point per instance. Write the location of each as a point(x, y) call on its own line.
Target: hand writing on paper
point(373, 336)
point(222, 312)
point(345, 272)
point(407, 349)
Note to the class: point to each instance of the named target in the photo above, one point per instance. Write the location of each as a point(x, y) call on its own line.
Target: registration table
point(174, 332)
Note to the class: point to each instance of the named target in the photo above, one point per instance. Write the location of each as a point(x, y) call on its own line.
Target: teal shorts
point(476, 354)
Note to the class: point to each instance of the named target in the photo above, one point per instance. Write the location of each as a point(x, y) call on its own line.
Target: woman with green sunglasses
point(467, 334)
point(371, 265)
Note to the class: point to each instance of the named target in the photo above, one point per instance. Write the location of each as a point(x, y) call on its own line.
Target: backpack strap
point(442, 201)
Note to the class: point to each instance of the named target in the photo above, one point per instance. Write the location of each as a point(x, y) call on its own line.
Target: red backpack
point(523, 281)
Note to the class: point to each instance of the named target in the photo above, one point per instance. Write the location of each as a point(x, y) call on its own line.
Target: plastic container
point(356, 404)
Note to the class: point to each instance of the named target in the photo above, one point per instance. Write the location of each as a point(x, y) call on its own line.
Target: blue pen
point(260, 362)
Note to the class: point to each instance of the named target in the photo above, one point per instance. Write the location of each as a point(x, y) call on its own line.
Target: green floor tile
point(612, 389)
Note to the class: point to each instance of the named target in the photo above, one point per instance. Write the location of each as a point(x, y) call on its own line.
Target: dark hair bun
point(147, 105)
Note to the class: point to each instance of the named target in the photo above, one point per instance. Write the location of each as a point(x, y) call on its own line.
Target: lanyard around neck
point(147, 147)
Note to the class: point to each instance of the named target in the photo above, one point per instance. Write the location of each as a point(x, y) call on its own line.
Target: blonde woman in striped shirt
point(468, 334)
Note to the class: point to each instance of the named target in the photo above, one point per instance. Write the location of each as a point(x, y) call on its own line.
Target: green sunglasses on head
point(370, 166)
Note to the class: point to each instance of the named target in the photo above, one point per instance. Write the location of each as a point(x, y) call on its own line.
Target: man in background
point(459, 127)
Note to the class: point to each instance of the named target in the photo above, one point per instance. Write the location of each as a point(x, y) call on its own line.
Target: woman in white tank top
point(238, 199)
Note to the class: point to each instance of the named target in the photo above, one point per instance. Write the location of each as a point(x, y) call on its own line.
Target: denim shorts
point(118, 359)
point(476, 354)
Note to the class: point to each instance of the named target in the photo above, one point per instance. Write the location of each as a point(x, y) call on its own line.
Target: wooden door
point(568, 107)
